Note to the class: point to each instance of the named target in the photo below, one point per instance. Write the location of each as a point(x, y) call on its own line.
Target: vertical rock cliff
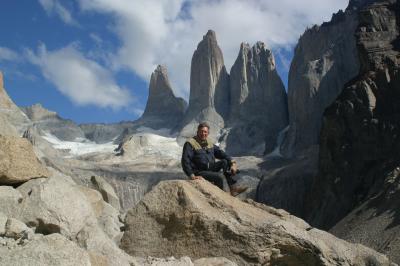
point(209, 88)
point(360, 142)
point(325, 59)
point(258, 102)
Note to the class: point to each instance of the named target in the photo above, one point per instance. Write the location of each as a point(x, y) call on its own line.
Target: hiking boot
point(237, 190)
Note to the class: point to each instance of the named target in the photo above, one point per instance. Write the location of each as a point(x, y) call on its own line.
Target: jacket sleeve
point(187, 157)
point(220, 154)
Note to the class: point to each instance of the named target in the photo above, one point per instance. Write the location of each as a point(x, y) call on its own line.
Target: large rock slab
point(196, 219)
point(18, 162)
point(54, 205)
point(47, 250)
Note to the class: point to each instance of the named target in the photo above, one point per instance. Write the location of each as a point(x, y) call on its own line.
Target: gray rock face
point(360, 143)
point(324, 60)
point(103, 133)
point(13, 120)
point(18, 162)
point(209, 88)
point(36, 113)
point(49, 121)
point(163, 109)
point(258, 101)
point(197, 219)
point(287, 181)
point(45, 251)
point(107, 191)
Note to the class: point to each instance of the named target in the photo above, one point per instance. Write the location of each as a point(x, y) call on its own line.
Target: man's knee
point(215, 178)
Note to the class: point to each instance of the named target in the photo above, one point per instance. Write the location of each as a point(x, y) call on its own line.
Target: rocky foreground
point(48, 219)
point(196, 219)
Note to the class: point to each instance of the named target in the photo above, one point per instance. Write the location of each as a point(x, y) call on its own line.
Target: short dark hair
point(203, 124)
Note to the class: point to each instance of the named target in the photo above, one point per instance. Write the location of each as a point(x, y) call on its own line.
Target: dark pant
point(214, 175)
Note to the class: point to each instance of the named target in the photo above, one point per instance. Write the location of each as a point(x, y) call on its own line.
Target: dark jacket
point(196, 158)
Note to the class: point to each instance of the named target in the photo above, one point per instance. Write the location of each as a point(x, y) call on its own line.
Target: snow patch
point(147, 143)
point(83, 146)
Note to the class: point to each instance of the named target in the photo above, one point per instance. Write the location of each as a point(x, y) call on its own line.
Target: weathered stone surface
point(54, 205)
point(3, 221)
point(214, 262)
point(106, 190)
point(9, 200)
point(360, 141)
point(325, 59)
point(6, 128)
point(13, 117)
point(18, 162)
point(47, 250)
point(197, 219)
point(209, 88)
point(94, 240)
point(16, 229)
point(258, 102)
point(170, 261)
point(107, 216)
point(58, 205)
point(163, 109)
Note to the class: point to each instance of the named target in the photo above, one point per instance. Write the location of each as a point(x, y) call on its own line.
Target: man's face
point(202, 133)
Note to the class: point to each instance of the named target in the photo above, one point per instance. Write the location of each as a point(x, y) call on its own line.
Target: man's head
point(203, 130)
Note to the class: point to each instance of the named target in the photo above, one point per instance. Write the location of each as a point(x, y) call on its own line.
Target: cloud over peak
point(167, 32)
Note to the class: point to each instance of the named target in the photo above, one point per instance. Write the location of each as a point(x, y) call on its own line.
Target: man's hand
point(196, 177)
point(234, 168)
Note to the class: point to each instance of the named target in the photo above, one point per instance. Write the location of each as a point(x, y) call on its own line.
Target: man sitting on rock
point(198, 161)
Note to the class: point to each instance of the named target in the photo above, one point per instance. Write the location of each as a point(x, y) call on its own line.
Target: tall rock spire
point(209, 80)
point(209, 87)
point(162, 103)
point(258, 109)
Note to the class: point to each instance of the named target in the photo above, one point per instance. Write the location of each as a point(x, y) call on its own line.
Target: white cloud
point(7, 54)
point(82, 80)
point(167, 32)
point(55, 7)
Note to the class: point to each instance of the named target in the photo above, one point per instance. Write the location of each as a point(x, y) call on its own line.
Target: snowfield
point(79, 147)
point(146, 142)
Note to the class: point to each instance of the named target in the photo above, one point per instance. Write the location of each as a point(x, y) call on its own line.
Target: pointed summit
point(258, 100)
point(209, 87)
point(162, 105)
point(210, 35)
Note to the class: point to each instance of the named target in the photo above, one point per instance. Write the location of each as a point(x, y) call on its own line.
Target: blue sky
point(91, 60)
